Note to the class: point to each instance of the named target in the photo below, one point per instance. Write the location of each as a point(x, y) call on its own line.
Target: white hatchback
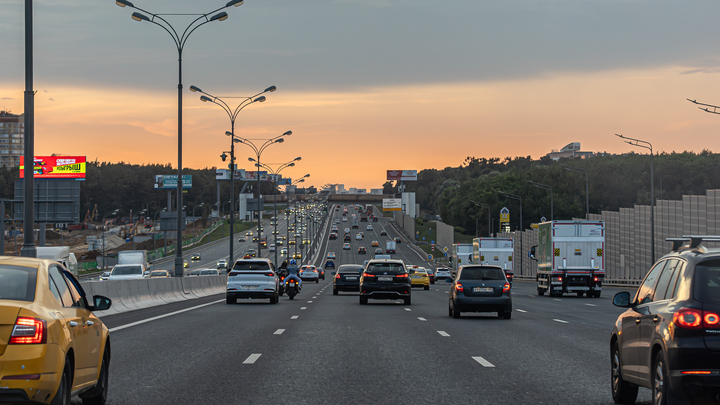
point(309, 272)
point(252, 278)
point(442, 273)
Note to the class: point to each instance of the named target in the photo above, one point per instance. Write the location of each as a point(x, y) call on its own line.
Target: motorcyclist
point(282, 271)
point(293, 271)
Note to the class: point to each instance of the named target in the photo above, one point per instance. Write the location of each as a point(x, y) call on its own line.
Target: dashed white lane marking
point(443, 333)
point(315, 296)
point(309, 302)
point(303, 307)
point(446, 292)
point(420, 318)
point(252, 358)
point(532, 296)
point(482, 361)
point(294, 317)
point(520, 310)
point(558, 300)
point(154, 318)
point(279, 332)
point(591, 305)
point(437, 289)
point(408, 309)
point(560, 320)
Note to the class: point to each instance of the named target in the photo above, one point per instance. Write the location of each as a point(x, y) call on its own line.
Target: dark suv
point(385, 279)
point(669, 338)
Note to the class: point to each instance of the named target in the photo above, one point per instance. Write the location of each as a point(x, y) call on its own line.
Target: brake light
point(29, 331)
point(688, 318)
point(711, 319)
point(696, 372)
point(506, 287)
point(404, 275)
point(368, 275)
point(596, 279)
point(270, 274)
point(337, 276)
point(459, 287)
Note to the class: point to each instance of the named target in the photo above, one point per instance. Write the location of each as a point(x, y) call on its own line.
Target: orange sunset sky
point(359, 101)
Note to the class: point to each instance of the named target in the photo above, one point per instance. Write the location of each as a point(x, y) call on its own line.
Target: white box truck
point(131, 264)
point(390, 247)
point(462, 254)
point(61, 254)
point(570, 256)
point(495, 252)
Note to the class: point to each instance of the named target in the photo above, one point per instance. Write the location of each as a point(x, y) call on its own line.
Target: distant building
point(12, 139)
point(570, 150)
point(290, 189)
point(340, 189)
point(376, 191)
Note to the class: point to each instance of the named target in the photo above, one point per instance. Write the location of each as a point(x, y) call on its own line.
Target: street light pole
point(545, 187)
point(483, 205)
point(194, 219)
point(179, 40)
point(587, 190)
point(647, 145)
point(232, 114)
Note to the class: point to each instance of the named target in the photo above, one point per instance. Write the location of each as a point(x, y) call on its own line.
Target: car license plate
point(415, 276)
point(250, 287)
point(482, 289)
point(385, 278)
point(351, 278)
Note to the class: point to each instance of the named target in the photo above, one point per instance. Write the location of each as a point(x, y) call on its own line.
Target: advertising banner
point(392, 204)
point(406, 175)
point(253, 175)
point(56, 167)
point(222, 174)
point(169, 181)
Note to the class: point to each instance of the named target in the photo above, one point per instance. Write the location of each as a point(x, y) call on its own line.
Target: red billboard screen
point(56, 167)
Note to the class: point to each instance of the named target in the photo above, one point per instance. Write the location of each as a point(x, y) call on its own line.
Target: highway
point(325, 349)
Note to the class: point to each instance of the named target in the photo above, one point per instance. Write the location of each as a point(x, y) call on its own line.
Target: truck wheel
point(581, 293)
point(541, 291)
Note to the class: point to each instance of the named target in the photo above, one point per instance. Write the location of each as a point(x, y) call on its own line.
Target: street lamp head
point(237, 140)
point(221, 16)
point(297, 159)
point(619, 135)
point(281, 140)
point(251, 159)
point(205, 99)
point(301, 181)
point(259, 99)
point(195, 89)
point(228, 133)
point(223, 156)
point(288, 133)
point(270, 89)
point(307, 175)
point(139, 17)
point(236, 3)
point(291, 165)
point(123, 3)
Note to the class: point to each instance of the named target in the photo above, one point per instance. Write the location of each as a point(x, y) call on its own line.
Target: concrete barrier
point(131, 295)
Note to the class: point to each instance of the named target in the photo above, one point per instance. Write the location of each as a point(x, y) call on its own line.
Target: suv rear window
point(707, 282)
point(251, 266)
point(480, 273)
point(390, 268)
point(126, 270)
point(17, 283)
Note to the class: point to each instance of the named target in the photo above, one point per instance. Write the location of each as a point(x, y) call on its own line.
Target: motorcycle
point(292, 288)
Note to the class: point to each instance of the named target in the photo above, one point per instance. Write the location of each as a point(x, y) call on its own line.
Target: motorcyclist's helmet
point(293, 262)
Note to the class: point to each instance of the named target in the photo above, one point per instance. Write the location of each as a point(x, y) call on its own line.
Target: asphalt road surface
point(325, 349)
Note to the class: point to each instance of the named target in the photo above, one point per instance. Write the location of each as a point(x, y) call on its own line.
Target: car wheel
point(622, 391)
point(62, 396)
point(335, 292)
point(317, 280)
point(363, 300)
point(581, 293)
point(426, 287)
point(408, 301)
point(659, 382)
point(229, 300)
point(432, 282)
point(455, 313)
point(505, 315)
point(449, 310)
point(98, 395)
point(541, 291)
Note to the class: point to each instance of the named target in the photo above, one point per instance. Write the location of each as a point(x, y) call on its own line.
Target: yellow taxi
point(52, 346)
point(297, 256)
point(375, 243)
point(292, 242)
point(420, 278)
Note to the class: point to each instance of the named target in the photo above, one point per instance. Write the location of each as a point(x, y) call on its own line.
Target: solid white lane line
point(520, 310)
point(154, 318)
point(303, 307)
point(408, 309)
point(252, 358)
point(560, 320)
point(420, 318)
point(294, 317)
point(279, 332)
point(591, 305)
point(482, 361)
point(443, 333)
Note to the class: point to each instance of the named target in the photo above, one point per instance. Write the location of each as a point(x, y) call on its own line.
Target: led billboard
point(56, 167)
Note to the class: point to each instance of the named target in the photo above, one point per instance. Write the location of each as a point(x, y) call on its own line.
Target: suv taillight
point(689, 318)
point(506, 287)
point(337, 276)
point(28, 331)
point(459, 287)
point(368, 275)
point(404, 275)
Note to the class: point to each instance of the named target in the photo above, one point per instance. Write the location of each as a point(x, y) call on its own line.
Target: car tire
point(335, 292)
point(449, 310)
point(98, 395)
point(541, 291)
point(62, 396)
point(505, 314)
point(659, 380)
point(317, 280)
point(622, 391)
point(407, 301)
point(581, 293)
point(426, 287)
point(229, 300)
point(363, 300)
point(455, 313)
point(432, 282)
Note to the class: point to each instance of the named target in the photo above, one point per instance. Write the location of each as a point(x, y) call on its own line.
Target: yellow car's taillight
point(29, 331)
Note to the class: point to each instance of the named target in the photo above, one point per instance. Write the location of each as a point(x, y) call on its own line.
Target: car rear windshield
point(205, 272)
point(479, 273)
point(126, 270)
point(389, 268)
point(349, 269)
point(17, 283)
point(707, 282)
point(251, 266)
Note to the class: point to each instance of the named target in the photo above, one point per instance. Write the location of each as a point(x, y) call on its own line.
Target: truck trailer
point(61, 254)
point(570, 256)
point(495, 252)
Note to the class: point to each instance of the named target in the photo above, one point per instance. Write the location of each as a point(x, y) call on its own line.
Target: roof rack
point(695, 241)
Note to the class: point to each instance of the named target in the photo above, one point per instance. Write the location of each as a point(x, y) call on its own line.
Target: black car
point(480, 289)
point(398, 240)
point(385, 279)
point(333, 236)
point(362, 250)
point(379, 251)
point(669, 338)
point(383, 233)
point(347, 278)
point(347, 238)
